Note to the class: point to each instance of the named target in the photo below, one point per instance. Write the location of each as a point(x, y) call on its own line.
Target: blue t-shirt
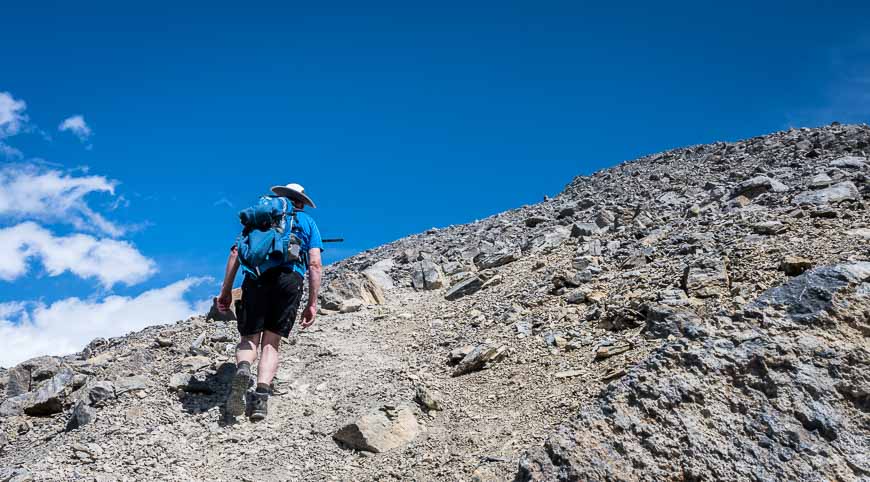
point(309, 235)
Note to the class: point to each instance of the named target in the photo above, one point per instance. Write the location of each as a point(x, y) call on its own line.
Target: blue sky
point(396, 117)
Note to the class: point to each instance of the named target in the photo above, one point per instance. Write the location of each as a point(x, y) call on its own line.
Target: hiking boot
point(259, 406)
point(238, 388)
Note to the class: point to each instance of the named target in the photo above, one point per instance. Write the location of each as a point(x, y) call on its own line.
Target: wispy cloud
point(29, 329)
point(225, 202)
point(12, 116)
point(76, 124)
point(32, 191)
point(108, 260)
point(10, 153)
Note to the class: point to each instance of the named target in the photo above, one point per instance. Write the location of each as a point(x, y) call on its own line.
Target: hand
point(308, 315)
point(224, 300)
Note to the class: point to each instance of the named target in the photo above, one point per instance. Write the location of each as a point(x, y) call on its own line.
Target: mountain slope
point(655, 320)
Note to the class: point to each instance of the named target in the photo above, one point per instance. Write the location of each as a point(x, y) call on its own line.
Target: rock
point(548, 239)
point(350, 306)
point(179, 381)
point(426, 275)
point(378, 274)
point(100, 392)
point(533, 221)
point(604, 352)
point(8, 474)
point(130, 384)
point(46, 400)
point(195, 363)
point(476, 360)
point(464, 288)
point(82, 414)
point(604, 219)
point(584, 229)
point(664, 321)
point(494, 260)
point(820, 180)
point(756, 186)
point(844, 191)
point(380, 430)
point(163, 342)
point(41, 368)
point(850, 162)
point(428, 399)
point(795, 265)
point(576, 297)
point(18, 383)
point(707, 278)
point(351, 286)
point(673, 298)
point(457, 354)
point(769, 228)
point(566, 212)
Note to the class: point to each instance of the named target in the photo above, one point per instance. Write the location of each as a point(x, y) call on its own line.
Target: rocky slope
point(696, 314)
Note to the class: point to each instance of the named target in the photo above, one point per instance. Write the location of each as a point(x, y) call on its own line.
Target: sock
point(245, 365)
point(264, 388)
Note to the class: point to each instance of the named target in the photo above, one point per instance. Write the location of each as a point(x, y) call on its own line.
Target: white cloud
point(9, 152)
point(109, 261)
point(77, 125)
point(28, 191)
point(12, 116)
point(30, 329)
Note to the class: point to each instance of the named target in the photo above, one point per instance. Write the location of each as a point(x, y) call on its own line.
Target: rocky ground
point(697, 314)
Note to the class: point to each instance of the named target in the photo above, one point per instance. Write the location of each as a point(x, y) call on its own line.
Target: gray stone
point(663, 321)
point(9, 474)
point(795, 265)
point(350, 285)
point(476, 360)
point(18, 383)
point(850, 162)
point(428, 399)
point(41, 368)
point(584, 229)
point(100, 392)
point(707, 278)
point(466, 287)
point(756, 186)
point(47, 399)
point(548, 239)
point(82, 414)
point(494, 260)
point(533, 221)
point(821, 180)
point(769, 228)
point(130, 384)
point(426, 275)
point(844, 191)
point(380, 430)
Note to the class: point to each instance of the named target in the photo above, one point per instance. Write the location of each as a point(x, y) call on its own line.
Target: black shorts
point(270, 302)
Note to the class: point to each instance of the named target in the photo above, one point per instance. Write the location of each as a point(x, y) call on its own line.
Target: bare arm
point(226, 296)
point(315, 272)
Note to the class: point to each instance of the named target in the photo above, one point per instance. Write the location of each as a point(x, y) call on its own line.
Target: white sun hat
point(294, 191)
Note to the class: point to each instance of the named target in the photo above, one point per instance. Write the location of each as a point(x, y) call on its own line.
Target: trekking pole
point(333, 240)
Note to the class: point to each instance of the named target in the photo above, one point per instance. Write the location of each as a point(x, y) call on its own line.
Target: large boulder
point(379, 273)
point(47, 399)
point(380, 430)
point(426, 275)
point(350, 286)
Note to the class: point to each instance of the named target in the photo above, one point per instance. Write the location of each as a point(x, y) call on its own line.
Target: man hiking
point(270, 299)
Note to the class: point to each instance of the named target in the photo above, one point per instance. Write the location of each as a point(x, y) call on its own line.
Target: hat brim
point(284, 191)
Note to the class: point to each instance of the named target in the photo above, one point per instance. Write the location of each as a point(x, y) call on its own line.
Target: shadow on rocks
point(203, 392)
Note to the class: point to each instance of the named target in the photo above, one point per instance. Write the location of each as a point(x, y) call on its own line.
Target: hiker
point(270, 299)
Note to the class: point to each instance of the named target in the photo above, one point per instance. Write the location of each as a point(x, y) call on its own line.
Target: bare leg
point(268, 357)
point(246, 350)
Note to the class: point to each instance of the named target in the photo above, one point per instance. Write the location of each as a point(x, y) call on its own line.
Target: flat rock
point(380, 430)
point(495, 260)
point(758, 185)
point(844, 191)
point(130, 384)
point(465, 287)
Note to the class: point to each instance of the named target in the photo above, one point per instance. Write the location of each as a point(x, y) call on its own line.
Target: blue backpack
point(267, 239)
